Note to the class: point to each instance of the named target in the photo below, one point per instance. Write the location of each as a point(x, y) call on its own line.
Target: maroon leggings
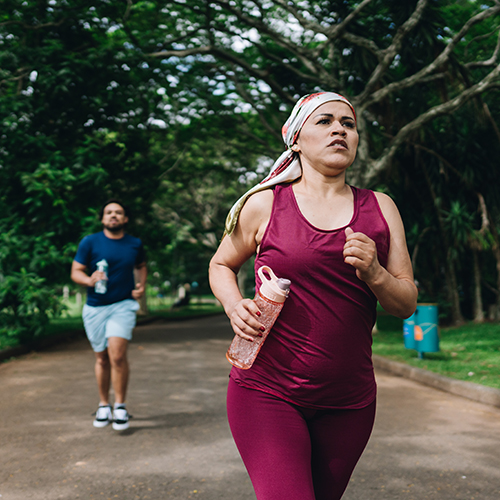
point(294, 452)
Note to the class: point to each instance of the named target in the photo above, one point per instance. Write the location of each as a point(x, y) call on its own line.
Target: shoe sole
point(120, 427)
point(100, 424)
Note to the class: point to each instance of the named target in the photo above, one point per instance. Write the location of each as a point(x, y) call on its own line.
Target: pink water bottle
point(270, 299)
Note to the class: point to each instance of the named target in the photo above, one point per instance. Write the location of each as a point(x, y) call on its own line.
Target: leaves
point(177, 108)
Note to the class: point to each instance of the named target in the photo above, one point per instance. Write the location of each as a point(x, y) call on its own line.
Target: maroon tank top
point(318, 353)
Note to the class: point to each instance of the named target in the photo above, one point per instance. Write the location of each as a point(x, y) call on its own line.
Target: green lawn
point(188, 311)
point(72, 320)
point(470, 352)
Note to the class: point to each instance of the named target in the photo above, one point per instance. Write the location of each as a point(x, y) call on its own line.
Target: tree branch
point(290, 66)
point(390, 52)
point(127, 11)
point(487, 112)
point(337, 30)
point(182, 53)
point(489, 62)
point(386, 157)
point(365, 43)
point(334, 32)
point(485, 221)
point(264, 75)
point(277, 37)
point(307, 24)
point(36, 27)
point(381, 94)
point(227, 56)
point(272, 130)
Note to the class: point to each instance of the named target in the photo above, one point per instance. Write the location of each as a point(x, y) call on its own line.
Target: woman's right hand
point(244, 319)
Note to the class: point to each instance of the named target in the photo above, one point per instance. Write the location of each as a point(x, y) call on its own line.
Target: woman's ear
point(295, 148)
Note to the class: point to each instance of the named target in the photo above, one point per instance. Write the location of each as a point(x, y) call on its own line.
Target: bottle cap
point(102, 265)
point(284, 284)
point(273, 288)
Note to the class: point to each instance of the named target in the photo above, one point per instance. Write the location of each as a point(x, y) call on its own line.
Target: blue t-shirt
point(121, 255)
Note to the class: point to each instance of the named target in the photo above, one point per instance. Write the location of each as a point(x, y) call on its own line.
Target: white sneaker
point(103, 416)
point(121, 418)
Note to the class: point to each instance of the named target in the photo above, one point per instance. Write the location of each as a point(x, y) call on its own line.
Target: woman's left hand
point(360, 252)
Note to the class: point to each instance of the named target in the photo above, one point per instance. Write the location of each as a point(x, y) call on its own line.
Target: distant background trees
point(177, 107)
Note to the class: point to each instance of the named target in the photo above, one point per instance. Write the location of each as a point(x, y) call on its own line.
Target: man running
point(105, 264)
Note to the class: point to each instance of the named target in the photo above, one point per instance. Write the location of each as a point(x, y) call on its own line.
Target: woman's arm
point(393, 286)
point(232, 253)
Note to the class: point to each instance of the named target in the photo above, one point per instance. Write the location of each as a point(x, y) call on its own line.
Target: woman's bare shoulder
point(256, 213)
point(392, 216)
point(383, 198)
point(387, 205)
point(258, 204)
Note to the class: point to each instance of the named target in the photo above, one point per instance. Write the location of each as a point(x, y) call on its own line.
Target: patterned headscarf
point(287, 167)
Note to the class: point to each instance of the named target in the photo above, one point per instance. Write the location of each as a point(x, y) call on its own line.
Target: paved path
point(427, 444)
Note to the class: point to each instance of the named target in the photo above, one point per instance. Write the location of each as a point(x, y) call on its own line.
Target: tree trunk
point(143, 306)
point(496, 253)
point(477, 305)
point(452, 292)
point(450, 274)
point(143, 301)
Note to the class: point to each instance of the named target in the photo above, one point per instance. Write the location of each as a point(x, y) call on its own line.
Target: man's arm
point(140, 287)
point(80, 277)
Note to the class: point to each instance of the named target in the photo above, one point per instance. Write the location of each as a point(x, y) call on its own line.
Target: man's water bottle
point(270, 299)
point(102, 285)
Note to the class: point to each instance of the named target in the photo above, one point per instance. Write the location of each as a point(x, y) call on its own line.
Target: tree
point(84, 117)
point(375, 52)
point(76, 130)
point(404, 65)
point(175, 107)
point(443, 182)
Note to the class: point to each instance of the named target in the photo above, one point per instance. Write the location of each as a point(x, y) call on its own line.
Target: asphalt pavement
point(427, 443)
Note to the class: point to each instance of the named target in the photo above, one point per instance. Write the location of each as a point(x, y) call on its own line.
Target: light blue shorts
point(115, 320)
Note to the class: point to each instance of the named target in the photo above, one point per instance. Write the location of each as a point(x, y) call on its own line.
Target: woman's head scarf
point(287, 167)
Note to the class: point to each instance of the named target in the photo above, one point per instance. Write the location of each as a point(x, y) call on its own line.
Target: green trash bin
point(409, 331)
point(426, 328)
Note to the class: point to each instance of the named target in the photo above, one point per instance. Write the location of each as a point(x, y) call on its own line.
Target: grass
point(55, 327)
point(189, 311)
point(71, 319)
point(470, 352)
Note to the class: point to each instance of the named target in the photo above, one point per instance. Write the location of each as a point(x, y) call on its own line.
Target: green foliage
point(85, 117)
point(437, 182)
point(177, 108)
point(196, 193)
point(69, 140)
point(25, 304)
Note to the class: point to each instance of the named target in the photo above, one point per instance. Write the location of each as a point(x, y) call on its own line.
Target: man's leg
point(103, 376)
point(118, 333)
point(94, 319)
point(117, 353)
point(103, 415)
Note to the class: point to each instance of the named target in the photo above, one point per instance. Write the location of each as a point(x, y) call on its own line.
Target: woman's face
point(329, 139)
